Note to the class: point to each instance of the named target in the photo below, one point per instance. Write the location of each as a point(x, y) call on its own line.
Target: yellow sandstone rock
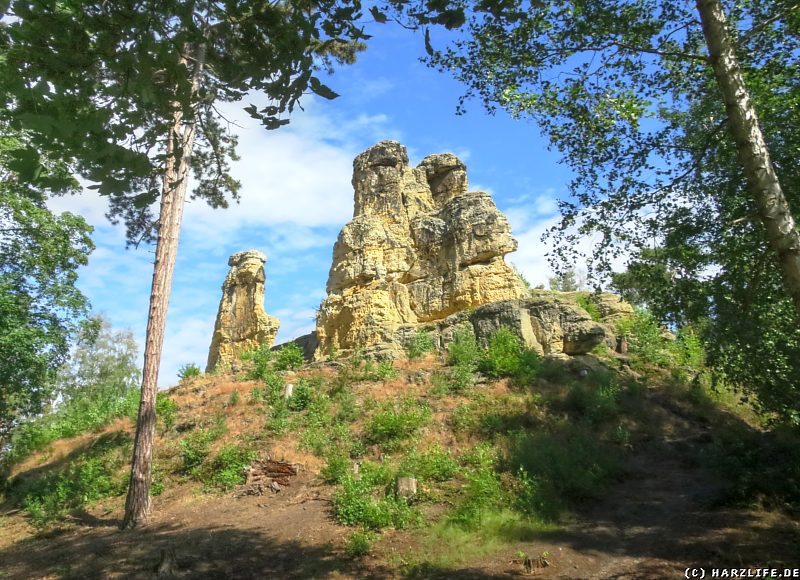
point(242, 323)
point(419, 248)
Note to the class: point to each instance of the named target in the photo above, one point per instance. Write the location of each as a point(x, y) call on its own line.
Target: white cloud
point(299, 175)
point(186, 341)
point(89, 204)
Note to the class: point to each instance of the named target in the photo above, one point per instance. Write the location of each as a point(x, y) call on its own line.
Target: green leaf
point(252, 110)
point(379, 16)
point(321, 89)
point(26, 163)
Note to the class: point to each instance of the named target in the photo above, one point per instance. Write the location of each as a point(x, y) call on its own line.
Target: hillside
point(600, 466)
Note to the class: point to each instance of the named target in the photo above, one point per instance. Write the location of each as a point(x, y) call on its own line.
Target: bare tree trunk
point(174, 183)
point(762, 181)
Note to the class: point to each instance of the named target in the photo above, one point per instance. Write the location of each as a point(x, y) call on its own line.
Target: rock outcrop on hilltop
point(242, 323)
point(550, 323)
point(419, 248)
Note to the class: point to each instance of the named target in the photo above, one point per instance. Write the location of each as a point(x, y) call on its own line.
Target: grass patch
point(360, 502)
point(445, 546)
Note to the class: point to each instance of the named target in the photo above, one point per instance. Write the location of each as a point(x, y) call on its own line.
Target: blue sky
point(296, 196)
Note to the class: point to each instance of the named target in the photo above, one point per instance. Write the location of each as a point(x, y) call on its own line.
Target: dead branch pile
point(267, 475)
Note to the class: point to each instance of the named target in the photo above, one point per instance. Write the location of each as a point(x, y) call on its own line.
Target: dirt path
point(661, 518)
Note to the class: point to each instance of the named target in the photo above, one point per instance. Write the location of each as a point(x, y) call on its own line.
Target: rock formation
point(242, 324)
point(550, 323)
point(419, 248)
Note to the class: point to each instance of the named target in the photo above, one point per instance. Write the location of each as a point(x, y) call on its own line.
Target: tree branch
point(747, 36)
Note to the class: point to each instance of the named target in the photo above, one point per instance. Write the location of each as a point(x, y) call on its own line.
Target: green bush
point(460, 378)
point(226, 471)
point(90, 477)
point(355, 504)
point(74, 417)
point(396, 422)
point(564, 467)
point(258, 396)
point(503, 354)
point(289, 356)
point(233, 398)
point(644, 337)
point(259, 359)
point(302, 395)
point(483, 492)
point(491, 416)
point(554, 371)
point(385, 371)
point(419, 345)
point(463, 350)
point(166, 410)
point(585, 301)
point(360, 543)
point(596, 399)
point(189, 371)
point(337, 467)
point(435, 464)
point(529, 368)
point(376, 474)
point(688, 349)
point(196, 446)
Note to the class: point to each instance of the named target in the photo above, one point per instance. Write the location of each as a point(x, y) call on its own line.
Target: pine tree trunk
point(175, 180)
point(762, 181)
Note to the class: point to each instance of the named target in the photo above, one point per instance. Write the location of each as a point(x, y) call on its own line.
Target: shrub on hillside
point(189, 371)
point(645, 340)
point(586, 302)
point(503, 354)
point(89, 477)
point(289, 356)
point(227, 469)
point(419, 345)
point(396, 422)
point(463, 350)
point(258, 360)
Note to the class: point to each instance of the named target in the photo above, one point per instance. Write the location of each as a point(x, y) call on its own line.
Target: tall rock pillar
point(242, 323)
point(419, 248)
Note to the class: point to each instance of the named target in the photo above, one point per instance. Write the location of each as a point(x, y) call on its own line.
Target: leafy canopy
point(41, 309)
point(97, 83)
point(625, 91)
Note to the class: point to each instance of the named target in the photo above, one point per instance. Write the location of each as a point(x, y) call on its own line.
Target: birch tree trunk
point(762, 181)
point(174, 183)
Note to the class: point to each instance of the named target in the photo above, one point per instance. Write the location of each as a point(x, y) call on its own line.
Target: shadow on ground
point(104, 552)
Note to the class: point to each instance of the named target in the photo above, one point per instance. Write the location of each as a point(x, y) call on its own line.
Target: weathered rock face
point(419, 248)
point(242, 324)
point(548, 323)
